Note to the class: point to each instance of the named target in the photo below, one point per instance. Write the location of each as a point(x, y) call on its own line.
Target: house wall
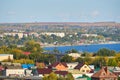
point(74, 55)
point(6, 56)
point(103, 78)
point(72, 65)
point(61, 67)
point(15, 71)
point(54, 33)
point(85, 69)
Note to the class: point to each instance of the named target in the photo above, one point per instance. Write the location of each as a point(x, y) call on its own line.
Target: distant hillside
point(55, 25)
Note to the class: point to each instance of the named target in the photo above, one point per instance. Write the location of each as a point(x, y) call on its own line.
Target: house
point(40, 65)
point(58, 66)
point(116, 71)
point(12, 67)
point(16, 64)
point(104, 74)
point(72, 65)
point(44, 71)
point(83, 68)
point(61, 34)
point(74, 55)
point(28, 72)
point(14, 72)
point(6, 57)
point(6, 63)
point(1, 68)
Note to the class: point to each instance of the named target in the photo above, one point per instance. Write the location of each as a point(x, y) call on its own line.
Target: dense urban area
point(22, 56)
point(50, 34)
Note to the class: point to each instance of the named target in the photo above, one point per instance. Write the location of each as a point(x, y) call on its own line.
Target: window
point(83, 70)
point(85, 67)
point(103, 73)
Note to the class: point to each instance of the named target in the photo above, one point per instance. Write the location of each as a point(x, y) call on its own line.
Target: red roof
point(104, 73)
point(26, 53)
point(61, 72)
point(44, 71)
point(79, 66)
point(1, 68)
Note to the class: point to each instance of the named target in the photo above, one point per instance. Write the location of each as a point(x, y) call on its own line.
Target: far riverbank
point(86, 47)
point(52, 45)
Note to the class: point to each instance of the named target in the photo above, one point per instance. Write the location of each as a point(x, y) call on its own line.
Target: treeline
point(100, 58)
point(53, 76)
point(103, 57)
point(31, 46)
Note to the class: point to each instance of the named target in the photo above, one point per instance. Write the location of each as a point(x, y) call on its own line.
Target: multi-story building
point(53, 33)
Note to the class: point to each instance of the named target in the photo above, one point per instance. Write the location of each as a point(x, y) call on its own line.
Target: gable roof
point(41, 64)
point(56, 63)
point(26, 53)
point(44, 71)
point(104, 72)
point(79, 66)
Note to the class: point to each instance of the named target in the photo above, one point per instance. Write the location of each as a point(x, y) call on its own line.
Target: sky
point(20, 11)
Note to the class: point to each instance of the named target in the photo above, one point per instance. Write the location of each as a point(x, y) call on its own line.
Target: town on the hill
point(22, 54)
point(60, 34)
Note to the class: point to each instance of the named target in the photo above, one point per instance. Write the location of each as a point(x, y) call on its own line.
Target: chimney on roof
point(106, 69)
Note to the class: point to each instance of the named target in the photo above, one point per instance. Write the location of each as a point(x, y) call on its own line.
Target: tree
point(45, 78)
point(88, 60)
point(117, 56)
point(86, 54)
point(105, 52)
point(80, 60)
point(51, 76)
point(66, 58)
point(112, 62)
point(61, 78)
point(12, 46)
point(34, 56)
point(32, 46)
point(24, 61)
point(17, 53)
point(99, 62)
point(4, 49)
point(69, 77)
point(72, 51)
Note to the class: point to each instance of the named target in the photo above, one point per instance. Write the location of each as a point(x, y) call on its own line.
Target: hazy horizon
point(31, 11)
